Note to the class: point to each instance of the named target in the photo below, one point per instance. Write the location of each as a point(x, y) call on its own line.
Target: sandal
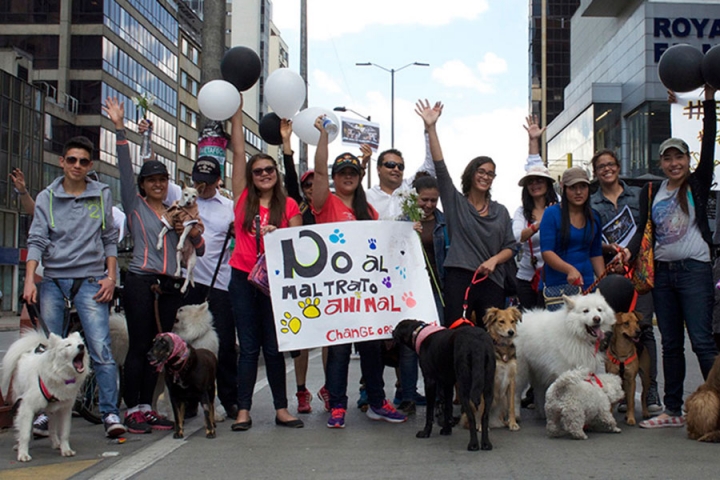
point(668, 421)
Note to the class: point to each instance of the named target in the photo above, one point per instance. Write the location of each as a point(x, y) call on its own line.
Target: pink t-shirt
point(335, 210)
point(245, 253)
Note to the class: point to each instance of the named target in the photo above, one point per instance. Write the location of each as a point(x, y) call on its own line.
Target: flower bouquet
point(144, 104)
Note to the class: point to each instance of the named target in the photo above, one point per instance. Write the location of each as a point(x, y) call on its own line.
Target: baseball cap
point(152, 167)
point(536, 171)
point(346, 160)
point(206, 170)
point(306, 175)
point(574, 175)
point(674, 143)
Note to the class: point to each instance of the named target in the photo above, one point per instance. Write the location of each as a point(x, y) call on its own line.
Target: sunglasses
point(391, 165)
point(85, 162)
point(259, 171)
point(307, 185)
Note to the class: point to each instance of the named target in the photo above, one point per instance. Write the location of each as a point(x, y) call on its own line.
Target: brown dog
point(624, 360)
point(502, 327)
point(703, 408)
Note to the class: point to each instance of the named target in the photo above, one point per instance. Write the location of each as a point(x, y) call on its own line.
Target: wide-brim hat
point(536, 171)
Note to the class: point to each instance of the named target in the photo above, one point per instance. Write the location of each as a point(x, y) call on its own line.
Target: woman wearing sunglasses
point(259, 194)
point(481, 236)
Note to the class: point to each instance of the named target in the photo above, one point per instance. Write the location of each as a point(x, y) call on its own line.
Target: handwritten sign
point(346, 282)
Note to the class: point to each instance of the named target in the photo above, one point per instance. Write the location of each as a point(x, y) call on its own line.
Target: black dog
point(464, 355)
point(190, 378)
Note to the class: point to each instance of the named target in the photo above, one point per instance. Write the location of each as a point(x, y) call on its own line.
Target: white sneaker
point(113, 426)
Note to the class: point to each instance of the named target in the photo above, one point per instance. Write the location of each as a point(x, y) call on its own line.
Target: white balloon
point(285, 92)
point(218, 100)
point(304, 125)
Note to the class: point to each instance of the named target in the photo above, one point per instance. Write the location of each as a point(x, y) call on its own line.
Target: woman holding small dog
point(259, 194)
point(149, 278)
point(683, 292)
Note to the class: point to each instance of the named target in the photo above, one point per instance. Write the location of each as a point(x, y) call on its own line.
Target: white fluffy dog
point(580, 398)
point(555, 342)
point(194, 324)
point(46, 374)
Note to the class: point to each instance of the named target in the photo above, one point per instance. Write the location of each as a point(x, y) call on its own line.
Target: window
point(187, 148)
point(43, 48)
point(188, 83)
point(87, 11)
point(190, 51)
point(29, 11)
point(86, 52)
point(188, 116)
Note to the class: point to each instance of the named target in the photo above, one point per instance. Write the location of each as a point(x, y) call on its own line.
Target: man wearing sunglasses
point(74, 235)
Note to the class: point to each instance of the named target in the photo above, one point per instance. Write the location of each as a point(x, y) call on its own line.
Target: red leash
point(475, 280)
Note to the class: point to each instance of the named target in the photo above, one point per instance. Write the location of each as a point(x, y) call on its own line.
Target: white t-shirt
point(677, 236)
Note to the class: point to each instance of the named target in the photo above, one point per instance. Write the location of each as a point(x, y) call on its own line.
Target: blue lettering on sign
point(685, 27)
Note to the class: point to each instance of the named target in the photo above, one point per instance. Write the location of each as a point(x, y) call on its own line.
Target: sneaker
point(622, 406)
point(387, 412)
point(663, 421)
point(304, 399)
point(159, 422)
point(407, 407)
point(324, 395)
point(654, 404)
point(420, 400)
point(337, 418)
point(137, 423)
point(362, 402)
point(113, 426)
point(40, 426)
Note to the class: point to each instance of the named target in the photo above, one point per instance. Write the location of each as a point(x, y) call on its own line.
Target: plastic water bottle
point(330, 127)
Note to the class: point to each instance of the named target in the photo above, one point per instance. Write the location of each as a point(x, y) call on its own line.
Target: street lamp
point(392, 91)
point(344, 109)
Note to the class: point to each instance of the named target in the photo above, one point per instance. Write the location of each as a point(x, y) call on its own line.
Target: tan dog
point(623, 360)
point(703, 408)
point(502, 327)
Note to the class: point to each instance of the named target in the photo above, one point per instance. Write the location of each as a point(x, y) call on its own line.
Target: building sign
point(703, 33)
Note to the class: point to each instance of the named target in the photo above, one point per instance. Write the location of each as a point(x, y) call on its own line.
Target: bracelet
point(111, 278)
point(534, 228)
point(19, 192)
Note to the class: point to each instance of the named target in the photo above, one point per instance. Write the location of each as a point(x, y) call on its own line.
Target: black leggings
point(482, 295)
point(139, 302)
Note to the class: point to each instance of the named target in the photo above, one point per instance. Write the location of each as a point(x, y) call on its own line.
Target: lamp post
point(344, 109)
point(392, 90)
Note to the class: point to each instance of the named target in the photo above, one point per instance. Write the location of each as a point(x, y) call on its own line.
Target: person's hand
point(574, 277)
point(267, 229)
point(144, 125)
point(533, 128)
point(709, 92)
point(30, 292)
point(672, 98)
point(285, 128)
point(18, 179)
point(106, 292)
point(429, 114)
point(319, 125)
point(417, 226)
point(365, 155)
point(116, 111)
point(488, 266)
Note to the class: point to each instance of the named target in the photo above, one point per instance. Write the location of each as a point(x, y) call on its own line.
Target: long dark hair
point(360, 204)
point(529, 204)
point(565, 223)
point(252, 203)
point(467, 176)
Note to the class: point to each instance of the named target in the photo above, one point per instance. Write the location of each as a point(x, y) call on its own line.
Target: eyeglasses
point(259, 171)
point(391, 165)
point(84, 162)
point(485, 173)
point(307, 185)
point(604, 166)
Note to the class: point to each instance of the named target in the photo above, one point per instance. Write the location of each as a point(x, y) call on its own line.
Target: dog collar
point(593, 379)
point(424, 332)
point(45, 392)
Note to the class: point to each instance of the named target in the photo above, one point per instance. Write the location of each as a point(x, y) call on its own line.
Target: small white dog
point(555, 342)
point(194, 324)
point(46, 374)
point(580, 398)
point(186, 211)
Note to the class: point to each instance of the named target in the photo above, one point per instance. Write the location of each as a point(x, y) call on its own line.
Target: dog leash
point(610, 266)
point(474, 281)
point(222, 255)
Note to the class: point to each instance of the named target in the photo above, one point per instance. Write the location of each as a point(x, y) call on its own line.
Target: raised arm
point(237, 140)
point(321, 184)
point(535, 133)
point(292, 183)
point(128, 190)
point(430, 117)
point(18, 178)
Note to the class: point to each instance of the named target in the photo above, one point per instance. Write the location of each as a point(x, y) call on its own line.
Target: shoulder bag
point(258, 276)
point(643, 275)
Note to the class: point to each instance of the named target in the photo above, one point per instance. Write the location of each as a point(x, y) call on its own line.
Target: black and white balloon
point(680, 68)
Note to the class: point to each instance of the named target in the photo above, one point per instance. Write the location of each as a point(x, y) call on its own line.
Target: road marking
point(55, 471)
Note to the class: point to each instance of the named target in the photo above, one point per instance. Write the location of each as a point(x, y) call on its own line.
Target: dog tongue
point(599, 333)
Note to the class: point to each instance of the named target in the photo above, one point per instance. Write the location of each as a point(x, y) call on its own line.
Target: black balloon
point(711, 67)
point(241, 66)
point(680, 68)
point(618, 292)
point(270, 129)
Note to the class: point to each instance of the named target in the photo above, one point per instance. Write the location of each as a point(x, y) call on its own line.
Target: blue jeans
point(94, 317)
point(371, 365)
point(683, 296)
point(255, 326)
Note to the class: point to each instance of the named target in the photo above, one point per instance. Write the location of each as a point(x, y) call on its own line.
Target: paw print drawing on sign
point(372, 243)
point(386, 281)
point(409, 299)
point(337, 236)
point(290, 324)
point(402, 271)
point(310, 308)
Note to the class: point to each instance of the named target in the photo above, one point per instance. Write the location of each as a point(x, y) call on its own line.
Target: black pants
point(139, 302)
point(482, 295)
point(224, 323)
point(528, 297)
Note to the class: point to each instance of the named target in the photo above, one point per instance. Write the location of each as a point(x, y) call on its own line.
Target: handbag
point(553, 295)
point(643, 275)
point(258, 276)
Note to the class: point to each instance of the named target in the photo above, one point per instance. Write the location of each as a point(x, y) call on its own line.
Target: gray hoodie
point(72, 236)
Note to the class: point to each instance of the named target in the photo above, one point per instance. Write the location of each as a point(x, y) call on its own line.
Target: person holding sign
point(259, 194)
point(348, 203)
point(618, 205)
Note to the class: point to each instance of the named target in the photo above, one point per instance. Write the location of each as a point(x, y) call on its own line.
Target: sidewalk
point(9, 322)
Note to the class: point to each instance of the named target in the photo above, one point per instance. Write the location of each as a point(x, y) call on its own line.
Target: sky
point(478, 56)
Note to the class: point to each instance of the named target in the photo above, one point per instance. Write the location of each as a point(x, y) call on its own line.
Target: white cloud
point(324, 82)
point(332, 18)
point(454, 73)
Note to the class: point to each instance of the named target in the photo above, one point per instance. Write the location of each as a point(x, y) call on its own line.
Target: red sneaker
point(304, 399)
point(324, 395)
